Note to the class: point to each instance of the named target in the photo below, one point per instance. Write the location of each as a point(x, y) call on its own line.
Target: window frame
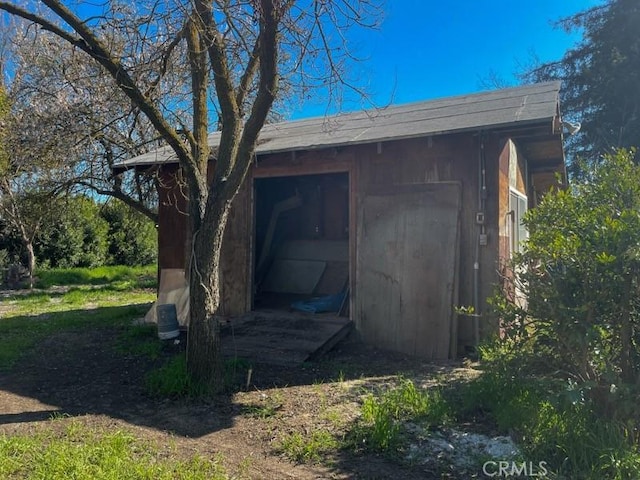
point(518, 206)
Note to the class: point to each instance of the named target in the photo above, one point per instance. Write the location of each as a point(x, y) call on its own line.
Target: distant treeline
point(77, 231)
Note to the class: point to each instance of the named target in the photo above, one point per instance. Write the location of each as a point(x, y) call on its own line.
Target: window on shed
point(518, 234)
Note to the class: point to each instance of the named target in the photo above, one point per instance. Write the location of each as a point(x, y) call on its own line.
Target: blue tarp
point(329, 303)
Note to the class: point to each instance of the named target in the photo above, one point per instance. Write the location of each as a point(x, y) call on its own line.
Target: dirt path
point(81, 374)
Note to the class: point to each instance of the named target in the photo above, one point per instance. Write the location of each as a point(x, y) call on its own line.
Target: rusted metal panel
point(406, 267)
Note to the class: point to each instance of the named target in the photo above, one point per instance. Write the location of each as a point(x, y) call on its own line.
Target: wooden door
point(406, 268)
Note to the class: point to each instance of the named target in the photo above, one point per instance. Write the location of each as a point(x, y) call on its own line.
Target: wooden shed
point(398, 214)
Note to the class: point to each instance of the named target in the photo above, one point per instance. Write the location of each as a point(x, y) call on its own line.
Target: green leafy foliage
point(578, 329)
point(72, 235)
point(132, 237)
point(76, 231)
point(549, 421)
point(580, 273)
point(600, 78)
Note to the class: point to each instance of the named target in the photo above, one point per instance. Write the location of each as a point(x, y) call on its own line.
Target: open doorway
point(301, 257)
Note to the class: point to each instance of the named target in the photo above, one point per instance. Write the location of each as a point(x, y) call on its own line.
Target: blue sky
point(433, 48)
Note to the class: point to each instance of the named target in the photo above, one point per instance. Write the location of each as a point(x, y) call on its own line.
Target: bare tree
point(63, 94)
point(23, 211)
point(28, 160)
point(64, 125)
point(237, 55)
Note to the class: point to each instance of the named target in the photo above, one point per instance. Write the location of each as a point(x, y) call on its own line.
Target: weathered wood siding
point(236, 254)
point(174, 238)
point(371, 167)
point(512, 173)
point(406, 267)
point(450, 158)
point(173, 225)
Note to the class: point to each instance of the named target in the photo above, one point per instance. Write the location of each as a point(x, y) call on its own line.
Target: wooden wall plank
point(235, 258)
point(173, 222)
point(406, 267)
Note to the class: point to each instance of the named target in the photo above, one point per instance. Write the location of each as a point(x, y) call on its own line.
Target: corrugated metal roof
point(486, 110)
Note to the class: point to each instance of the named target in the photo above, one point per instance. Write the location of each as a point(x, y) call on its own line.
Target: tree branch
point(248, 75)
point(225, 91)
point(45, 25)
point(199, 93)
point(267, 89)
point(140, 207)
point(94, 47)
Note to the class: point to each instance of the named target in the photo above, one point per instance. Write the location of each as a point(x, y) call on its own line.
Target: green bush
point(564, 375)
point(550, 424)
point(72, 235)
point(132, 237)
point(76, 231)
point(580, 273)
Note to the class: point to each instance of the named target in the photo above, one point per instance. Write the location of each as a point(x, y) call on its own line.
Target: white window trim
point(515, 242)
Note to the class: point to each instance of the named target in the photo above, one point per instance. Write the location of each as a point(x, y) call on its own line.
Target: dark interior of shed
point(301, 255)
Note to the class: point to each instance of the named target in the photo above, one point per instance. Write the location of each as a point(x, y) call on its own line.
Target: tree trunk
point(204, 359)
point(31, 261)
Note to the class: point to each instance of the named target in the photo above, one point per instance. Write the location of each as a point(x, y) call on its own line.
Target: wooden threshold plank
point(282, 339)
point(331, 342)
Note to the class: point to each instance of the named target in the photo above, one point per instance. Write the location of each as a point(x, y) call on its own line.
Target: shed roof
point(510, 107)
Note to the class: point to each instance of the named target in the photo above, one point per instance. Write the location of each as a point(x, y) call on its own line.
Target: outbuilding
point(392, 217)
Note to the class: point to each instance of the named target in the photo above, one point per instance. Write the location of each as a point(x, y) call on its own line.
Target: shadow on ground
point(84, 371)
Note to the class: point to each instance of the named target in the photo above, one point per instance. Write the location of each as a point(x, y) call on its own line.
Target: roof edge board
point(284, 137)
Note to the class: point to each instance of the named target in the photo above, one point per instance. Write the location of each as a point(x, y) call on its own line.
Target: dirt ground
point(84, 375)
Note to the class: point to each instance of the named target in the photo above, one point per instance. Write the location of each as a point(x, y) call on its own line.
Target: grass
point(173, 381)
point(383, 417)
point(81, 453)
point(101, 298)
point(567, 435)
point(84, 298)
point(308, 448)
point(268, 407)
point(140, 277)
point(140, 340)
point(20, 333)
point(379, 428)
point(575, 442)
point(28, 318)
